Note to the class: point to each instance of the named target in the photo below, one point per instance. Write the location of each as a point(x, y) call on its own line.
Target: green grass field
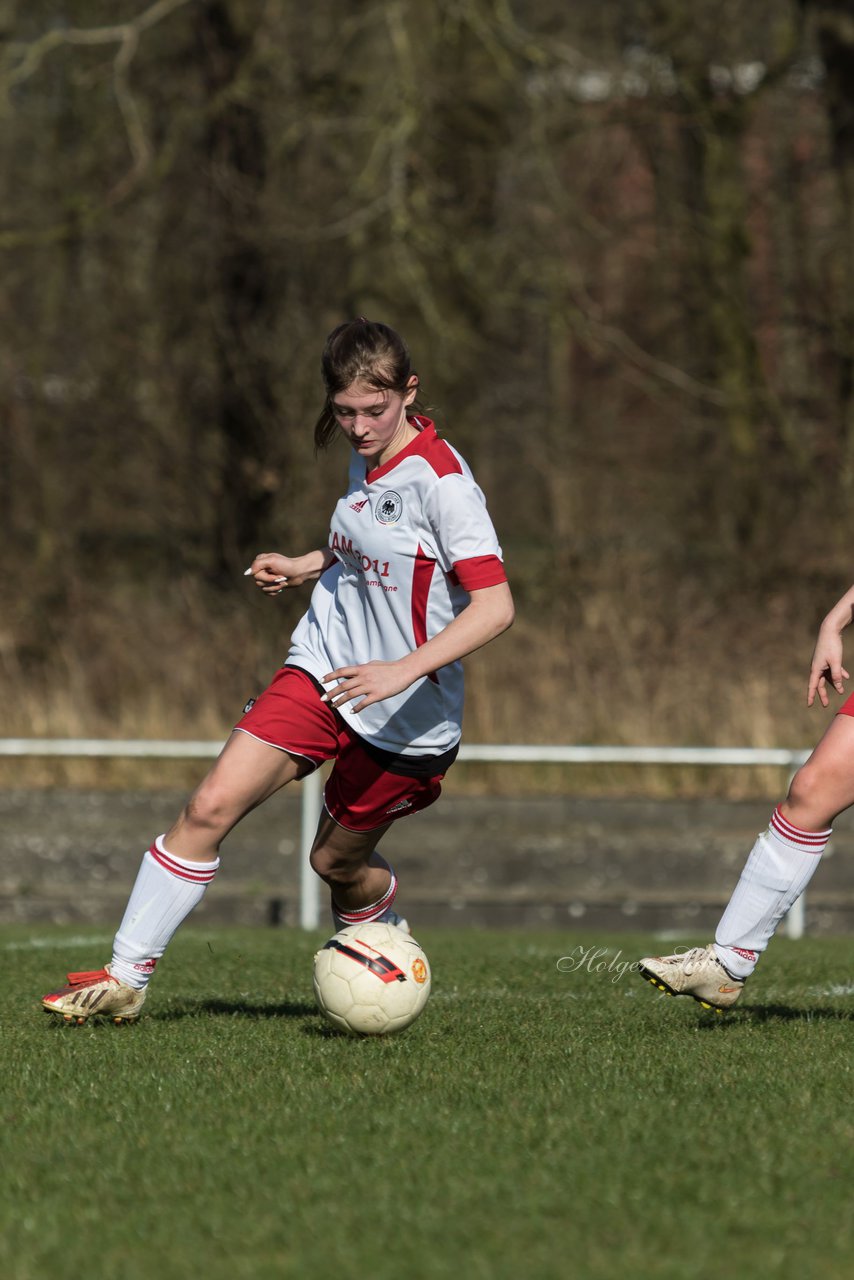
point(538, 1121)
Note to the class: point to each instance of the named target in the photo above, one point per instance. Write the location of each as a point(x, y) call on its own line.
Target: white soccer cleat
point(95, 994)
point(697, 973)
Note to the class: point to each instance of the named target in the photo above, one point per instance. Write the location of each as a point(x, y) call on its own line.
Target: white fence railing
point(311, 800)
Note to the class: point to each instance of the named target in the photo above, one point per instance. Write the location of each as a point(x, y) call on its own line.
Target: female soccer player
point(410, 581)
point(785, 856)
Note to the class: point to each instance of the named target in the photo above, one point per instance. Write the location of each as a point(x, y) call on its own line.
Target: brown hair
point(360, 351)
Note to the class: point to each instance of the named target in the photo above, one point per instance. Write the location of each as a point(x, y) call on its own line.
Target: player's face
point(374, 421)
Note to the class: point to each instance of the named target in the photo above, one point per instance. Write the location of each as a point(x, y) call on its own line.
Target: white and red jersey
point(411, 538)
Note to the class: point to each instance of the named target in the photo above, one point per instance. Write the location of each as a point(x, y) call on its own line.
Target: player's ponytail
point(360, 351)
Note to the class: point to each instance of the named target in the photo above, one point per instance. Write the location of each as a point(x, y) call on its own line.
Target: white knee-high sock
point(167, 889)
point(778, 870)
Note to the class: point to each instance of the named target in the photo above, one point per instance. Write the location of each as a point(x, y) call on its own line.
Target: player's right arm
point(826, 662)
point(274, 573)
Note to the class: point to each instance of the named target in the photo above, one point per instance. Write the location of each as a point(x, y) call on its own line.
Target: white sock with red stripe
point(375, 911)
point(167, 889)
point(780, 867)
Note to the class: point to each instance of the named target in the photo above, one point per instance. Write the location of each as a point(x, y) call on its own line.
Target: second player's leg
point(778, 870)
point(824, 786)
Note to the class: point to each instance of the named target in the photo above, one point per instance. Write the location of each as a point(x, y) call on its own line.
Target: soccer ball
point(371, 979)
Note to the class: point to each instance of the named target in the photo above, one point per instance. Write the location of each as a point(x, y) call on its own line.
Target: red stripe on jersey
point(202, 873)
point(811, 841)
point(422, 576)
point(436, 453)
point(479, 572)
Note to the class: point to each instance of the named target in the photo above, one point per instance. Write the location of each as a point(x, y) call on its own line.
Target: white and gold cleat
point(95, 994)
point(697, 973)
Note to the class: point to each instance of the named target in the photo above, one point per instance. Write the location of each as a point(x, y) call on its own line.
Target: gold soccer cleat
point(697, 973)
point(96, 993)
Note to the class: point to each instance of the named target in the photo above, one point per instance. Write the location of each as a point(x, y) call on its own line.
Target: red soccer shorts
point(362, 791)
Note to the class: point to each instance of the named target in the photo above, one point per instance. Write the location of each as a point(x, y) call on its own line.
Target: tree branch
point(126, 35)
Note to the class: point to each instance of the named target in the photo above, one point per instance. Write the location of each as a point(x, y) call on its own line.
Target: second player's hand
point(826, 666)
point(366, 684)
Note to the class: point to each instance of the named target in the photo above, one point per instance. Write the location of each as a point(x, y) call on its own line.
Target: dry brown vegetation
point(619, 237)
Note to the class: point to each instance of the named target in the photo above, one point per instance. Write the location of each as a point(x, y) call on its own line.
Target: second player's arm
point(827, 656)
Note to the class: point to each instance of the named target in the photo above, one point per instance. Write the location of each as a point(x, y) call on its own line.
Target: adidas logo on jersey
point(357, 506)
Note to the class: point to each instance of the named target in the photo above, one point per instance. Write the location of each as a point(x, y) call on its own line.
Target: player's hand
point(826, 666)
point(273, 573)
point(366, 684)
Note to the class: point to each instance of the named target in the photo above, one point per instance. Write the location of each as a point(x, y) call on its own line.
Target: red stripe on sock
point(365, 914)
point(811, 841)
point(203, 875)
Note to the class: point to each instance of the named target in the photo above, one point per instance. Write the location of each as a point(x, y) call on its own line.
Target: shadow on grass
point(316, 1027)
point(759, 1014)
point(234, 1009)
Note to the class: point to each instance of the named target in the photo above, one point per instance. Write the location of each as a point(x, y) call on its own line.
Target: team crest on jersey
point(389, 508)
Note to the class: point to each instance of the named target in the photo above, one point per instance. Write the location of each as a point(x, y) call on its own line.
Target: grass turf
point(542, 1119)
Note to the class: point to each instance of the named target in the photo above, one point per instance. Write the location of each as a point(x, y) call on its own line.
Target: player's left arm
point(489, 612)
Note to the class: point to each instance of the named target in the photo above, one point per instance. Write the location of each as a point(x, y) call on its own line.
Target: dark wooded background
point(619, 237)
